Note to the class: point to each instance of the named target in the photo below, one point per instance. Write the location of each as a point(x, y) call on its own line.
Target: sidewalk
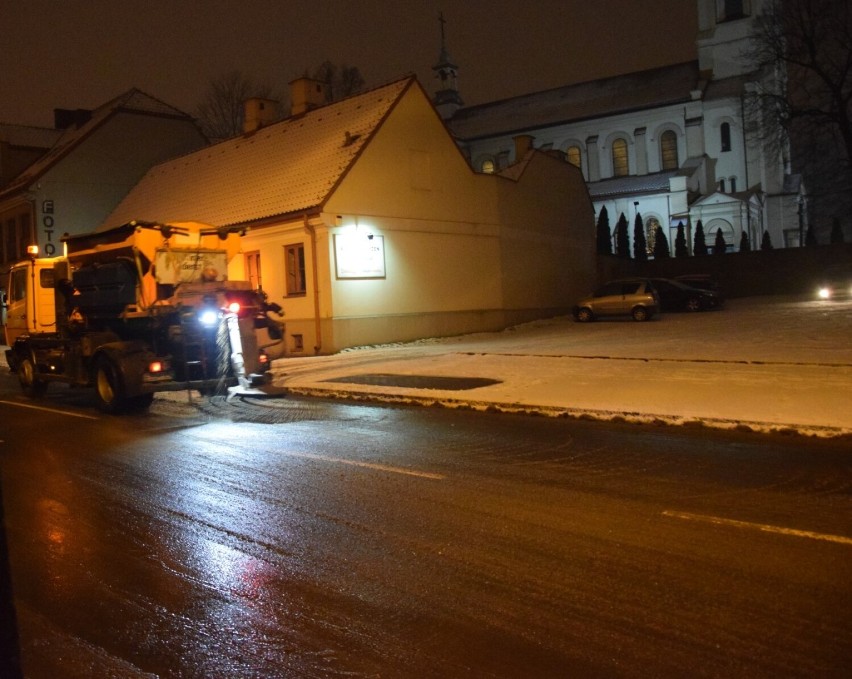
point(766, 364)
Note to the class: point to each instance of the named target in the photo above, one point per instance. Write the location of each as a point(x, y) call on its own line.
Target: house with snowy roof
point(79, 171)
point(366, 223)
point(674, 145)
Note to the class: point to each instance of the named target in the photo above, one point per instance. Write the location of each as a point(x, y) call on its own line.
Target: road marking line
point(370, 465)
point(767, 528)
point(50, 410)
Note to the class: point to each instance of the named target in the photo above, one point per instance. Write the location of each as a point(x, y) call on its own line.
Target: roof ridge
point(605, 79)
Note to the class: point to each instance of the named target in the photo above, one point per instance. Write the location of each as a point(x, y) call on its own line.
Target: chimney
point(523, 143)
point(307, 94)
point(63, 118)
point(257, 113)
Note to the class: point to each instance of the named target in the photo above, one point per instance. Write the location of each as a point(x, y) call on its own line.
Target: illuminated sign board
point(359, 255)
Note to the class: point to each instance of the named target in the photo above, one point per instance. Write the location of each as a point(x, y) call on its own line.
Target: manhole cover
point(418, 381)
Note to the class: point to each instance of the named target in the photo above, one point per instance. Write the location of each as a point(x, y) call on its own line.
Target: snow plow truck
point(138, 309)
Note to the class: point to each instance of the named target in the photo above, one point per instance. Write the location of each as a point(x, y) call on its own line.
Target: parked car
point(634, 297)
point(836, 283)
point(676, 296)
point(703, 281)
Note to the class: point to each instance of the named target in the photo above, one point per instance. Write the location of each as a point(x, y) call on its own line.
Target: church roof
point(657, 182)
point(571, 103)
point(133, 100)
point(288, 167)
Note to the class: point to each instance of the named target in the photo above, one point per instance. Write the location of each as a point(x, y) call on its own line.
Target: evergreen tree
point(810, 236)
point(745, 243)
point(640, 245)
point(681, 250)
point(836, 232)
point(622, 242)
point(699, 247)
point(765, 243)
point(604, 239)
point(661, 244)
point(719, 246)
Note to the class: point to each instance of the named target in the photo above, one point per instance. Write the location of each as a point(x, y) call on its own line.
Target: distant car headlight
point(824, 293)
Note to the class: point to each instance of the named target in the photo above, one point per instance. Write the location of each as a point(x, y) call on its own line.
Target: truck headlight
point(208, 317)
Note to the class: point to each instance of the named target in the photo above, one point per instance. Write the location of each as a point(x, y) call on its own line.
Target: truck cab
point(30, 304)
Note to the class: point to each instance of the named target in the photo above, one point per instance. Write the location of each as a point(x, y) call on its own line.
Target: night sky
point(81, 53)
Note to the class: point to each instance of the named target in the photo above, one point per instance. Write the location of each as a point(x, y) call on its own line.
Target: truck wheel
point(108, 387)
point(28, 377)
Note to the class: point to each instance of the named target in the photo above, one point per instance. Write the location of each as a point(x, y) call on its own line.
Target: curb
point(791, 429)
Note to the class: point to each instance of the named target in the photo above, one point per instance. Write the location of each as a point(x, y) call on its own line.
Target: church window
point(574, 155)
point(722, 185)
point(620, 166)
point(651, 226)
point(668, 150)
point(733, 181)
point(734, 9)
point(725, 131)
point(488, 166)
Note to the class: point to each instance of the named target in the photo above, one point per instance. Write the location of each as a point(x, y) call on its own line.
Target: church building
point(673, 144)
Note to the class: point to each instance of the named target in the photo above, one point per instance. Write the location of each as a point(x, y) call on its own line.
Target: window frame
point(668, 149)
point(295, 281)
point(620, 162)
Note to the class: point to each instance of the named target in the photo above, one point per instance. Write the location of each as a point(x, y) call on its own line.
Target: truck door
point(30, 310)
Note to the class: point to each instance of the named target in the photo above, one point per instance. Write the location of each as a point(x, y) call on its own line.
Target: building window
point(668, 150)
point(733, 181)
point(252, 261)
point(620, 165)
point(294, 268)
point(574, 156)
point(488, 166)
point(722, 185)
point(733, 9)
point(726, 136)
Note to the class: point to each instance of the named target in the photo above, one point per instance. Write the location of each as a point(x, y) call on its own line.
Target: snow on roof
point(284, 168)
point(648, 183)
point(29, 136)
point(593, 99)
point(134, 101)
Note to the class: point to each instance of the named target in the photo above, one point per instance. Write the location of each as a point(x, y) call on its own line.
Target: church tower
point(723, 32)
point(447, 98)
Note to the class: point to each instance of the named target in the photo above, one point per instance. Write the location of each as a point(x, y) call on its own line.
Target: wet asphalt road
point(314, 539)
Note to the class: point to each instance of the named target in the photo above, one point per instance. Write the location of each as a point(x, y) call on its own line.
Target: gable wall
point(90, 181)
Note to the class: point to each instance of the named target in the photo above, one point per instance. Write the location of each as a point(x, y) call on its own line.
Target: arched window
point(488, 166)
point(651, 226)
point(574, 156)
point(668, 150)
point(733, 184)
point(620, 165)
point(725, 131)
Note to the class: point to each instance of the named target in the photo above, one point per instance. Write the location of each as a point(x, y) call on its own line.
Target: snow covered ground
point(763, 363)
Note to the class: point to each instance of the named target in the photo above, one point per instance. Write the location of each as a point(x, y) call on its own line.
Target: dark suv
point(635, 297)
